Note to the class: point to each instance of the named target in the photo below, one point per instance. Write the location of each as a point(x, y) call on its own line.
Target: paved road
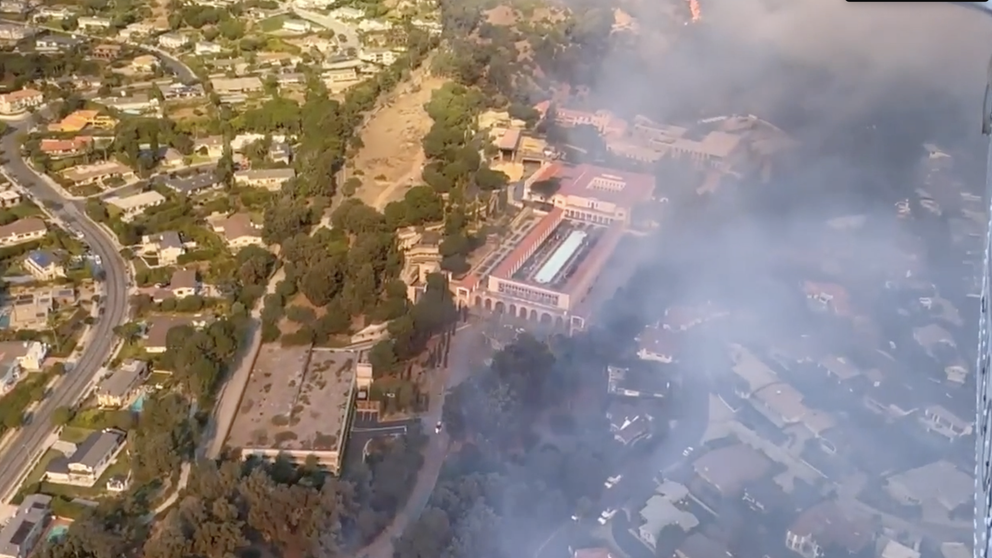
point(339, 28)
point(461, 355)
point(18, 456)
point(639, 474)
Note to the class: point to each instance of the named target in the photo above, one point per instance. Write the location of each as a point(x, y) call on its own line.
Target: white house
point(20, 101)
point(44, 265)
point(166, 247)
point(297, 26)
point(22, 532)
point(270, 179)
point(173, 40)
point(239, 231)
point(93, 23)
point(133, 206)
point(205, 47)
point(184, 283)
point(18, 357)
point(119, 387)
point(22, 230)
point(90, 460)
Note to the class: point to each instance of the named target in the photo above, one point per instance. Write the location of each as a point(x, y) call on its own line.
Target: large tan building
point(547, 269)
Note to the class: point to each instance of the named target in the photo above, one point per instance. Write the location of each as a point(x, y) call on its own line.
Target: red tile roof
point(511, 263)
point(49, 145)
point(622, 188)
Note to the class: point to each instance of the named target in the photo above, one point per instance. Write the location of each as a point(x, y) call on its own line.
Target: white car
point(612, 481)
point(687, 451)
point(606, 516)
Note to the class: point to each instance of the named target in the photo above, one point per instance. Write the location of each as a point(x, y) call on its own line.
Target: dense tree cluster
point(433, 314)
point(213, 21)
point(163, 439)
point(233, 508)
point(141, 142)
point(25, 68)
point(349, 270)
point(504, 479)
point(198, 357)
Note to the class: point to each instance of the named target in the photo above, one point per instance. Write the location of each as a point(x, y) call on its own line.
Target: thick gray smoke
point(820, 63)
point(861, 87)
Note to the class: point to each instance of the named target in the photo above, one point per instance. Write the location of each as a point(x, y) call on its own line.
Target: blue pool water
point(139, 404)
point(57, 532)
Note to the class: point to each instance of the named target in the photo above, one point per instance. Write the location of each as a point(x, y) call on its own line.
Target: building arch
point(500, 307)
point(478, 301)
point(489, 304)
point(513, 310)
point(559, 323)
point(546, 318)
point(522, 314)
point(533, 315)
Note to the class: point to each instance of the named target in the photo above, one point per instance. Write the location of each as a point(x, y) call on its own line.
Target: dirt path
point(391, 158)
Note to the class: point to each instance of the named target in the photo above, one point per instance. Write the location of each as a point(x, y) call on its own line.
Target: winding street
point(19, 455)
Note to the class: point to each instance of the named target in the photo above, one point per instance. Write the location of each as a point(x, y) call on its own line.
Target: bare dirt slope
point(391, 141)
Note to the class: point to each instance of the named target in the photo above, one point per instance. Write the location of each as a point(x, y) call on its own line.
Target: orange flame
point(694, 10)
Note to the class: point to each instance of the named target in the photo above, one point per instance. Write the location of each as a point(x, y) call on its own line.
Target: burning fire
point(694, 12)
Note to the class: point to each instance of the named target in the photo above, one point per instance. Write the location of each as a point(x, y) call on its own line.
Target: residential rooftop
point(729, 469)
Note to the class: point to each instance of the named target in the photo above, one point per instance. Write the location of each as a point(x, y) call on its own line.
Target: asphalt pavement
point(364, 431)
point(28, 442)
point(639, 474)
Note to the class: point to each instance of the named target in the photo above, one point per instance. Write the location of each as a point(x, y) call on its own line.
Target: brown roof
point(783, 399)
point(730, 468)
point(826, 524)
point(508, 140)
point(23, 226)
point(701, 546)
point(239, 225)
point(49, 145)
point(183, 279)
point(159, 328)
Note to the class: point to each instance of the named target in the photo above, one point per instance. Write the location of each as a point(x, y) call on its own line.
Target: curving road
point(19, 455)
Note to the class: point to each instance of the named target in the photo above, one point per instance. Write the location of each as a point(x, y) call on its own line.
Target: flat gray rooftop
point(296, 400)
